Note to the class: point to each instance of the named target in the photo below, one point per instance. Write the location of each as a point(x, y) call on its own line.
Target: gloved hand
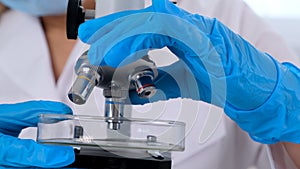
point(15, 152)
point(222, 67)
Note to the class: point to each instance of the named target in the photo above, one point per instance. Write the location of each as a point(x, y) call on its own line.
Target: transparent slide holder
point(138, 134)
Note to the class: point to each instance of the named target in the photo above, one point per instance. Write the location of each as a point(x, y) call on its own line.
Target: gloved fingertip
point(65, 109)
point(28, 153)
point(48, 107)
point(57, 156)
point(84, 32)
point(58, 107)
point(42, 106)
point(100, 61)
point(96, 61)
point(158, 5)
point(111, 62)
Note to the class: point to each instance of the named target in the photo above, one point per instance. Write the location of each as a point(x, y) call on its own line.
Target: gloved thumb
point(27, 153)
point(15, 117)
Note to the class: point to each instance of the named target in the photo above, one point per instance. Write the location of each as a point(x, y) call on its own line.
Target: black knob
point(75, 16)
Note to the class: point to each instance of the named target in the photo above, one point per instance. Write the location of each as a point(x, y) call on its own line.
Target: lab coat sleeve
point(238, 16)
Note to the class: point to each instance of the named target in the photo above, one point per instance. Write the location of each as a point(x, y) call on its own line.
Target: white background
point(284, 15)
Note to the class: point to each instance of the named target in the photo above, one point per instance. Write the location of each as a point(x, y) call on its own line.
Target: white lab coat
point(212, 140)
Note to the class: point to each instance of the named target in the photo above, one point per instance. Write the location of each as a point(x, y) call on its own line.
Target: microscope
point(112, 141)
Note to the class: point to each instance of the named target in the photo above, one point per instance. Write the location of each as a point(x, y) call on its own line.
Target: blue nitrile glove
point(15, 152)
point(217, 66)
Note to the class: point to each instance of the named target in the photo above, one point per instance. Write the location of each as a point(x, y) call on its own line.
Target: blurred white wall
point(290, 29)
point(284, 15)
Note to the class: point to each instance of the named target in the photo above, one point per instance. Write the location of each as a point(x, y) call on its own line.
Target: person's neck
point(59, 46)
point(2, 8)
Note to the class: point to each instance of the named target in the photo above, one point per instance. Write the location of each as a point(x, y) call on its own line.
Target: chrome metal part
point(114, 108)
point(156, 154)
point(151, 138)
point(78, 132)
point(116, 84)
point(87, 79)
point(89, 14)
point(144, 84)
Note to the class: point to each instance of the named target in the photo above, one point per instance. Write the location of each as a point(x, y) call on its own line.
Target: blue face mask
point(38, 7)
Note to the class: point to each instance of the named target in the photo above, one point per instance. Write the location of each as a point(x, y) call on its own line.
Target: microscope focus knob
point(75, 16)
